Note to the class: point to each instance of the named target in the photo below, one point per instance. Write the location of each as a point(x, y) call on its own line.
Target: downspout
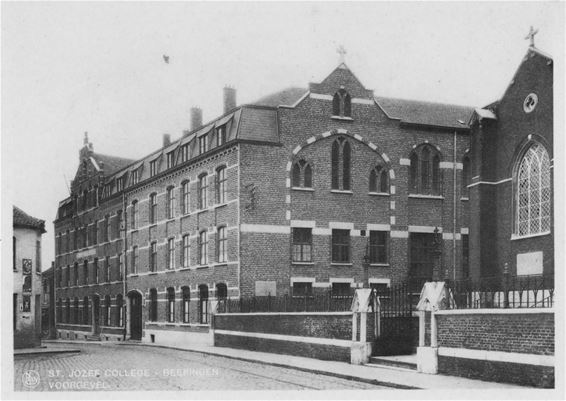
point(125, 266)
point(454, 213)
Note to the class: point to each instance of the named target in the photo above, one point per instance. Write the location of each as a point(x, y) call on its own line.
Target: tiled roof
point(426, 113)
point(111, 164)
point(258, 125)
point(22, 219)
point(286, 97)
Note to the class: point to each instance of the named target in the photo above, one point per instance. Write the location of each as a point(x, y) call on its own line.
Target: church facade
point(298, 193)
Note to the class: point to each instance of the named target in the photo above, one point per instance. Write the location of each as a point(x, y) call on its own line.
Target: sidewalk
point(45, 349)
point(386, 376)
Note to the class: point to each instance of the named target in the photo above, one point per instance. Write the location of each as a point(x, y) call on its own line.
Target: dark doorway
point(135, 316)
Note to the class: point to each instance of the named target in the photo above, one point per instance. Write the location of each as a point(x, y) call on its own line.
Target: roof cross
point(342, 52)
point(531, 36)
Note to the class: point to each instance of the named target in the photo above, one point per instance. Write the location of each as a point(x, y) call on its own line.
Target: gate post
point(434, 296)
point(360, 351)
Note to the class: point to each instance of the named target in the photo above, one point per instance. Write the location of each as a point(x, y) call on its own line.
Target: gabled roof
point(111, 164)
point(426, 113)
point(22, 219)
point(286, 97)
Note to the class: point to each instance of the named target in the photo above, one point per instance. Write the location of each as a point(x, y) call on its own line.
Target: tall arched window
point(221, 184)
point(203, 303)
point(341, 164)
point(424, 172)
point(76, 311)
point(86, 314)
point(153, 305)
point(301, 176)
point(533, 195)
point(378, 180)
point(107, 310)
point(185, 197)
point(186, 291)
point(170, 304)
point(120, 309)
point(203, 247)
point(202, 188)
point(153, 208)
point(68, 311)
point(342, 104)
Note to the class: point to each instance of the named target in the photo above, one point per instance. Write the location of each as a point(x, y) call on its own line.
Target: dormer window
point(203, 144)
point(120, 184)
point(184, 153)
point(221, 135)
point(170, 159)
point(152, 168)
point(135, 177)
point(342, 104)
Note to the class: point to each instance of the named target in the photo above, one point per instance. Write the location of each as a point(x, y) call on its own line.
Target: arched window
point(533, 194)
point(120, 309)
point(86, 314)
point(170, 202)
point(221, 184)
point(186, 291)
point(466, 176)
point(107, 310)
point(170, 304)
point(68, 311)
point(378, 180)
point(202, 187)
point(424, 172)
point(341, 164)
point(342, 104)
point(153, 305)
point(85, 272)
point(221, 248)
point(59, 310)
point(134, 215)
point(152, 208)
point(301, 174)
point(185, 197)
point(203, 247)
point(203, 303)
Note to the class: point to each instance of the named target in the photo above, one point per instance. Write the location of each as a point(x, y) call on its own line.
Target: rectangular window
point(152, 168)
point(68, 275)
point(170, 305)
point(465, 256)
point(170, 203)
point(203, 243)
point(341, 290)
point(302, 245)
point(221, 135)
point(135, 177)
point(152, 208)
point(107, 269)
point(203, 144)
point(120, 265)
point(340, 246)
point(170, 159)
point(302, 289)
point(171, 253)
point(119, 184)
point(76, 273)
point(135, 259)
point(107, 228)
point(221, 245)
point(185, 197)
point(153, 257)
point(85, 272)
point(95, 268)
point(202, 188)
point(186, 251)
point(421, 255)
point(378, 246)
point(186, 300)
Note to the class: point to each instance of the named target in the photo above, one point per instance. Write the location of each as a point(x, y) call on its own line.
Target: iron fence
point(504, 291)
point(326, 302)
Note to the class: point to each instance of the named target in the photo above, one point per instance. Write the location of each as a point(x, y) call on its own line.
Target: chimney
point(196, 118)
point(166, 140)
point(229, 98)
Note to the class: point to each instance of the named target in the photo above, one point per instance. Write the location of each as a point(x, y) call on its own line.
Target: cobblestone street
point(114, 367)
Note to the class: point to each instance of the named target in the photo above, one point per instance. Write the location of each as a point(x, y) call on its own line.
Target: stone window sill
point(341, 191)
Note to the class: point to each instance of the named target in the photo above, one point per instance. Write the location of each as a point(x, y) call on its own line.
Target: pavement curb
point(49, 352)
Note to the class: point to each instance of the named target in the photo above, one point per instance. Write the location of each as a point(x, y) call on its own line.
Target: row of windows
point(90, 234)
point(65, 278)
point(302, 246)
point(202, 246)
point(184, 201)
point(71, 311)
point(424, 173)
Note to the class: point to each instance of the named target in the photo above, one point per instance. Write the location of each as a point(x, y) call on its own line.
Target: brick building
point(26, 253)
point(287, 195)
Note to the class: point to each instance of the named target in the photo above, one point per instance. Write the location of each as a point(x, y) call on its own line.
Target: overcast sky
point(98, 67)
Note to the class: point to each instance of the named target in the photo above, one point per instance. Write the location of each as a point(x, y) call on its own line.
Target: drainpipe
point(454, 213)
point(125, 266)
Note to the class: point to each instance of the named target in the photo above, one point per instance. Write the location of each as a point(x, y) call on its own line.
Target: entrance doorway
point(135, 316)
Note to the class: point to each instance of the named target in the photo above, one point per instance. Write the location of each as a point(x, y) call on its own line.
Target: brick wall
point(518, 333)
point(337, 326)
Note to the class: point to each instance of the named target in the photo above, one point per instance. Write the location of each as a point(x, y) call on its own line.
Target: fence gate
point(399, 325)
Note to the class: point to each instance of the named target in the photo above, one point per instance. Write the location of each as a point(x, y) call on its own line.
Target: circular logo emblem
point(30, 379)
point(530, 103)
